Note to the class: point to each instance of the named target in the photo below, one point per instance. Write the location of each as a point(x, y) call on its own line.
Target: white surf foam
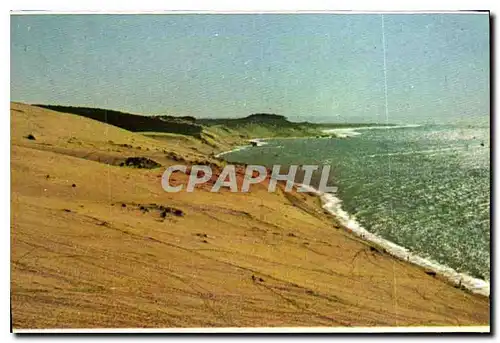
point(257, 141)
point(353, 131)
point(342, 133)
point(238, 148)
point(334, 205)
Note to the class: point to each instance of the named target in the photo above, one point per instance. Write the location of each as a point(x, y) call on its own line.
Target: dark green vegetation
point(133, 122)
point(262, 125)
point(140, 162)
point(270, 119)
point(257, 118)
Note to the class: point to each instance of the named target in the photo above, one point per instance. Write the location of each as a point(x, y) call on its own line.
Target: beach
point(422, 189)
point(93, 244)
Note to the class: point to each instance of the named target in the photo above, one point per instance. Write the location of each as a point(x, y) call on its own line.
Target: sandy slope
point(88, 256)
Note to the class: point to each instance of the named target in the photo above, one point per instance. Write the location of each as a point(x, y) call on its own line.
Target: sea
point(425, 188)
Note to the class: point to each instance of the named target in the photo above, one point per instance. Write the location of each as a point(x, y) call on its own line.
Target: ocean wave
point(431, 152)
point(406, 126)
point(343, 133)
point(256, 141)
point(353, 131)
point(415, 152)
point(333, 204)
point(239, 148)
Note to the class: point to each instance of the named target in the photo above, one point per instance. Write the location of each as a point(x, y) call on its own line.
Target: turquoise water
point(426, 188)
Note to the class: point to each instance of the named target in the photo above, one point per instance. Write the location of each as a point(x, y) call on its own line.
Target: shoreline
point(205, 259)
point(331, 203)
point(261, 142)
point(257, 141)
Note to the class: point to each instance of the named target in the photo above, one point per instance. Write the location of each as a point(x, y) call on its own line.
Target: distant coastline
point(284, 242)
point(255, 126)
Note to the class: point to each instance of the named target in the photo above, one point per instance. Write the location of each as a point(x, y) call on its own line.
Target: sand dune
point(91, 248)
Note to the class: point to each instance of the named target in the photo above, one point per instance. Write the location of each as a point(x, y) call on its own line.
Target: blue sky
point(322, 67)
